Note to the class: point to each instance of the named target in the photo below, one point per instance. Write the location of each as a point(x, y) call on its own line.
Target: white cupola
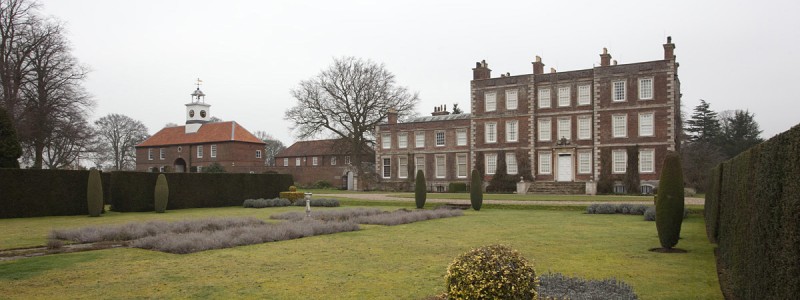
point(197, 111)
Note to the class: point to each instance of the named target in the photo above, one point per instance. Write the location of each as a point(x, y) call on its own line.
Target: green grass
point(533, 197)
point(399, 262)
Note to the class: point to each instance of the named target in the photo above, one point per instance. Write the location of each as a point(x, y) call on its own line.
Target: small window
point(646, 124)
point(646, 189)
point(545, 162)
point(441, 166)
point(386, 140)
point(545, 130)
point(285, 162)
point(491, 163)
point(180, 149)
point(258, 153)
point(461, 137)
point(333, 160)
point(402, 140)
point(213, 150)
point(419, 164)
point(511, 163)
point(199, 169)
point(439, 138)
point(646, 161)
point(199, 153)
point(564, 96)
point(314, 161)
point(461, 165)
point(619, 124)
point(491, 132)
point(584, 162)
point(402, 167)
point(512, 132)
point(511, 99)
point(149, 154)
point(618, 92)
point(387, 167)
point(491, 101)
point(584, 127)
point(347, 160)
point(419, 139)
point(162, 154)
point(544, 98)
point(564, 129)
point(297, 162)
point(584, 94)
point(646, 88)
point(619, 161)
point(619, 189)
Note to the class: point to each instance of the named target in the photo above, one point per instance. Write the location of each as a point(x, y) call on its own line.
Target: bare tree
point(347, 100)
point(116, 137)
point(272, 147)
point(66, 145)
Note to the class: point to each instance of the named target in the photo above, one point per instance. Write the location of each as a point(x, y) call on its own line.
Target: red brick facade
point(310, 162)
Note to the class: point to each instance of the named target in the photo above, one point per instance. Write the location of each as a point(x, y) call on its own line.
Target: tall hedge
point(420, 193)
point(476, 190)
point(669, 204)
point(38, 193)
point(10, 150)
point(753, 213)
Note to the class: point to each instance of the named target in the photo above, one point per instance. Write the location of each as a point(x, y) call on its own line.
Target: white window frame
point(441, 166)
point(512, 99)
point(545, 129)
point(440, 137)
point(314, 161)
point(544, 98)
point(213, 150)
point(386, 170)
point(402, 167)
point(258, 153)
point(333, 160)
point(386, 141)
point(286, 162)
point(564, 94)
point(584, 162)
point(162, 153)
point(647, 164)
point(491, 163)
point(511, 163)
point(347, 160)
point(545, 163)
point(646, 88)
point(512, 131)
point(618, 91)
point(490, 132)
point(150, 154)
point(564, 128)
point(461, 137)
point(297, 162)
point(646, 124)
point(584, 127)
point(461, 165)
point(490, 101)
point(619, 126)
point(199, 151)
point(585, 94)
point(402, 140)
point(419, 164)
point(619, 161)
point(419, 139)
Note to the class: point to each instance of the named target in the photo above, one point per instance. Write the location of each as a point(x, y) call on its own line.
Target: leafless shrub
point(262, 203)
point(321, 202)
point(132, 231)
point(54, 244)
point(329, 215)
point(238, 236)
point(405, 216)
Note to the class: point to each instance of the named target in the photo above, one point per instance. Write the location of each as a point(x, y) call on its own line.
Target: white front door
point(564, 168)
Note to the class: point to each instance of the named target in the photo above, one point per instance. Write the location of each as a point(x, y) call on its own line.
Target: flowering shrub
point(491, 272)
point(261, 203)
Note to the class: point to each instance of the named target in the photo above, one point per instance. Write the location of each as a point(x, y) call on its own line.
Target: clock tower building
point(197, 111)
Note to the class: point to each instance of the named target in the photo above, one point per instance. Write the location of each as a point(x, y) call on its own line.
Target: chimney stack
point(552, 70)
point(605, 58)
point(669, 49)
point(481, 71)
point(440, 110)
point(538, 66)
point(391, 116)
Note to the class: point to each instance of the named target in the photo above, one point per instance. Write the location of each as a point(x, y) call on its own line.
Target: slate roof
point(208, 133)
point(439, 118)
point(317, 148)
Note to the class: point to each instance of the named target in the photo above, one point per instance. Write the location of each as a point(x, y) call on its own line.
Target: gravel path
point(388, 197)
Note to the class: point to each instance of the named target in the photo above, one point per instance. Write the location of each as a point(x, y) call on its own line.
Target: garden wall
point(36, 193)
point(752, 212)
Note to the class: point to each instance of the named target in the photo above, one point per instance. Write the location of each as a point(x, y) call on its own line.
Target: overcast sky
point(145, 55)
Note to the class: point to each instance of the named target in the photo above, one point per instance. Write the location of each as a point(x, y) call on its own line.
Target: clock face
point(202, 113)
point(191, 113)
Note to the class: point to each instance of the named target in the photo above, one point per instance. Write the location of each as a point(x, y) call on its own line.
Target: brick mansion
point(556, 128)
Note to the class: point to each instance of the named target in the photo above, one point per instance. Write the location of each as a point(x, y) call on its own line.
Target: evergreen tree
point(10, 150)
point(632, 181)
point(704, 125)
point(457, 110)
point(420, 192)
point(669, 205)
point(740, 131)
point(476, 190)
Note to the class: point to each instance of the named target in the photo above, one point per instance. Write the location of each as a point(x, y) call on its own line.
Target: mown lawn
point(534, 197)
point(399, 262)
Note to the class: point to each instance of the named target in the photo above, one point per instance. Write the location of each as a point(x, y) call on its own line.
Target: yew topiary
point(476, 190)
point(669, 203)
point(420, 193)
point(161, 194)
point(94, 193)
point(491, 272)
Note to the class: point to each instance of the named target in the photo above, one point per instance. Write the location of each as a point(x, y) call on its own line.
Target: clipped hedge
point(457, 187)
point(752, 212)
point(37, 193)
point(133, 191)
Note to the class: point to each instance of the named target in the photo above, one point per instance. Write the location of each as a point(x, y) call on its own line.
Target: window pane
point(491, 164)
point(419, 137)
point(491, 132)
point(620, 161)
point(584, 162)
point(563, 96)
point(620, 124)
point(544, 130)
point(461, 161)
point(461, 137)
point(440, 138)
point(545, 163)
point(618, 93)
point(564, 129)
point(584, 128)
point(387, 167)
point(511, 131)
point(420, 165)
point(544, 98)
point(511, 99)
point(646, 164)
point(646, 124)
point(402, 167)
point(491, 101)
point(584, 94)
point(511, 163)
point(440, 166)
point(646, 88)
point(386, 141)
point(402, 140)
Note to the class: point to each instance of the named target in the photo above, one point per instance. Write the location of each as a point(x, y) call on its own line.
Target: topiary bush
point(420, 194)
point(669, 204)
point(491, 272)
point(650, 213)
point(476, 190)
point(457, 187)
point(94, 194)
point(161, 194)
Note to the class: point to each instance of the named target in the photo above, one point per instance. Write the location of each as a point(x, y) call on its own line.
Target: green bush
point(669, 204)
point(420, 194)
point(476, 190)
point(491, 272)
point(293, 196)
point(36, 193)
point(501, 182)
point(94, 194)
point(161, 194)
point(322, 184)
point(457, 187)
point(214, 168)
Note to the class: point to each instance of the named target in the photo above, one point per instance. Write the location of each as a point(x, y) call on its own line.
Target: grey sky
point(145, 55)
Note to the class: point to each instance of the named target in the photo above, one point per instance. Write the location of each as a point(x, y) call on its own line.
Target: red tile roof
point(208, 133)
point(318, 148)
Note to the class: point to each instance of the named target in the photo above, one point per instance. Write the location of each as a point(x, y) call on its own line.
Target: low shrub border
point(374, 216)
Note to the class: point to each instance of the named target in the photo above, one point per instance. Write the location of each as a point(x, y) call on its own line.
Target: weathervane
point(199, 82)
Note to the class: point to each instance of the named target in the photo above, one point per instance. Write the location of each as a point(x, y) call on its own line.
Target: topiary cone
point(94, 194)
point(669, 206)
point(420, 194)
point(161, 194)
point(476, 190)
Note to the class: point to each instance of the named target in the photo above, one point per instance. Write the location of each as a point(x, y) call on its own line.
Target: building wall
point(307, 174)
point(235, 157)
